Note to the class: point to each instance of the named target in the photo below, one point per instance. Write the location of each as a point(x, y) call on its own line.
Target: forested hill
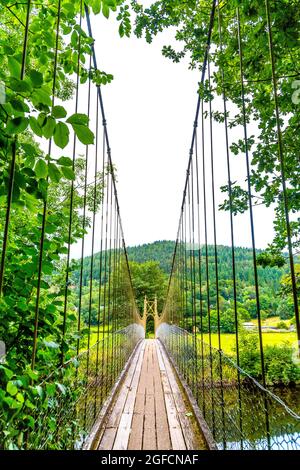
point(162, 252)
point(151, 265)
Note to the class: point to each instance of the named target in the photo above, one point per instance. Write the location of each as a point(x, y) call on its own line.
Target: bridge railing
point(234, 161)
point(69, 401)
point(241, 414)
point(68, 312)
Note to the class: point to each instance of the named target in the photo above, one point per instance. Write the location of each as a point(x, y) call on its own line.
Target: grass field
point(227, 340)
point(269, 339)
point(272, 321)
point(93, 337)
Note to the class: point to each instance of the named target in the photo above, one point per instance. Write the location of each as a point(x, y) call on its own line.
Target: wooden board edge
point(98, 428)
point(203, 427)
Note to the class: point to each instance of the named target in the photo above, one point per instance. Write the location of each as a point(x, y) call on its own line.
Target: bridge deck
point(149, 411)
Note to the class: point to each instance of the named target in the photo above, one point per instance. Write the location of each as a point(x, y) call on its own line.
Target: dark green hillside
point(154, 257)
point(162, 252)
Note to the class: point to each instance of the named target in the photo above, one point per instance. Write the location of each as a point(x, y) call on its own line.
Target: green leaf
point(19, 105)
point(14, 67)
point(8, 50)
point(40, 96)
point(54, 173)
point(74, 39)
point(9, 373)
point(105, 10)
point(49, 38)
point(61, 134)
point(35, 127)
point(50, 228)
point(50, 388)
point(29, 404)
point(68, 173)
point(110, 3)
point(11, 388)
point(36, 78)
point(32, 374)
point(65, 161)
point(20, 86)
point(30, 420)
point(48, 127)
point(22, 304)
point(43, 59)
point(78, 118)
point(59, 112)
point(20, 397)
point(84, 134)
point(42, 119)
point(41, 169)
point(96, 6)
point(17, 125)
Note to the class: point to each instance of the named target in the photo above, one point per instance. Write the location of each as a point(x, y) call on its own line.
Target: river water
point(252, 420)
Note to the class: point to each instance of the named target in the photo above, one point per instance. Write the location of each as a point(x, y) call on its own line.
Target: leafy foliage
point(37, 82)
point(148, 280)
point(280, 367)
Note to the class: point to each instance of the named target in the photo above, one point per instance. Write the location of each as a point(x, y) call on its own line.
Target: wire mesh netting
point(64, 407)
point(72, 313)
point(237, 153)
point(240, 412)
point(68, 313)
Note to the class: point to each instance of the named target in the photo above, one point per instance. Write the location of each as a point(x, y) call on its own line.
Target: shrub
point(282, 325)
point(279, 365)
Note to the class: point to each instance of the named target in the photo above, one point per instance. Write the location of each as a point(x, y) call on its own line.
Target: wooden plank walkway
point(149, 412)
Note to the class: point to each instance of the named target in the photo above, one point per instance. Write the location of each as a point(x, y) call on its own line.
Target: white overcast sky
point(150, 108)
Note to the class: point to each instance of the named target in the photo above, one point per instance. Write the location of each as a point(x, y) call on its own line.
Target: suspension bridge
point(116, 389)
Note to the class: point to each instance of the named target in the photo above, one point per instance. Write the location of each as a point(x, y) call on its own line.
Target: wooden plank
point(176, 434)
point(130, 400)
point(149, 404)
point(185, 421)
point(189, 435)
point(149, 375)
point(115, 415)
point(159, 357)
point(162, 426)
point(150, 412)
point(107, 439)
point(136, 434)
point(111, 428)
point(139, 407)
point(124, 428)
point(149, 436)
point(202, 437)
point(143, 376)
